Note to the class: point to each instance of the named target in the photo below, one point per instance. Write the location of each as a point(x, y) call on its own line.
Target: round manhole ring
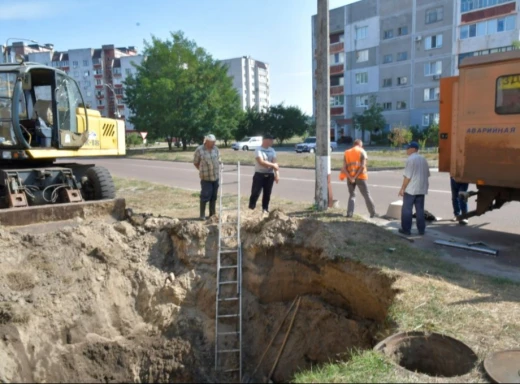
point(504, 366)
point(431, 354)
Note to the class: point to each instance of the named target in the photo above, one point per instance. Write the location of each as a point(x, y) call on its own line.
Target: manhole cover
point(504, 366)
point(431, 354)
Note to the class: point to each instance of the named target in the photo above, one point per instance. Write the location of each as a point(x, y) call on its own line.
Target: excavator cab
point(43, 118)
point(41, 107)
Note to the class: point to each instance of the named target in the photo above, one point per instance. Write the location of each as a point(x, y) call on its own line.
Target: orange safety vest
point(353, 161)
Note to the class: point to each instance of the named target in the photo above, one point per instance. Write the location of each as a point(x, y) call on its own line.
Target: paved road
point(499, 229)
point(298, 184)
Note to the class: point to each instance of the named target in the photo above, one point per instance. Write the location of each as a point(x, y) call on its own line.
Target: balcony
point(336, 69)
point(118, 85)
point(336, 111)
point(336, 48)
point(99, 86)
point(98, 76)
point(337, 90)
point(101, 107)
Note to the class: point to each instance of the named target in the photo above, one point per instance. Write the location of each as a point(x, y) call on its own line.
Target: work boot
point(212, 206)
point(203, 210)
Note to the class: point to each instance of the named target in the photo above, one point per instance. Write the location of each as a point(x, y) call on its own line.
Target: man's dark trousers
point(409, 201)
point(262, 183)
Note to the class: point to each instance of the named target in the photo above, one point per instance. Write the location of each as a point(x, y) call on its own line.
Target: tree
point(181, 91)
point(400, 135)
point(432, 135)
point(516, 44)
point(371, 119)
point(285, 122)
point(278, 120)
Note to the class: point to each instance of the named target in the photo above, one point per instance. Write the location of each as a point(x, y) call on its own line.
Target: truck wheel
point(311, 150)
point(100, 185)
point(245, 148)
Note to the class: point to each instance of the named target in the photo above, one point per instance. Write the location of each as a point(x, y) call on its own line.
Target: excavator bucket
point(111, 209)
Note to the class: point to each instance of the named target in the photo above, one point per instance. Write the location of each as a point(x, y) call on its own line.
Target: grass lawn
point(376, 159)
point(433, 295)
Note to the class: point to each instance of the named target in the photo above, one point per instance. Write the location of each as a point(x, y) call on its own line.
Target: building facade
point(99, 72)
point(251, 80)
point(396, 52)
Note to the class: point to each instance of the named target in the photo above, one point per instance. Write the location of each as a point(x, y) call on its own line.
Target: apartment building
point(99, 72)
point(251, 80)
point(397, 51)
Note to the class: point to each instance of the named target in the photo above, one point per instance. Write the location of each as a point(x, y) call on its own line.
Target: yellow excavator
point(43, 119)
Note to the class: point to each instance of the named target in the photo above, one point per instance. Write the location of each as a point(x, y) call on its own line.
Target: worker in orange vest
point(355, 171)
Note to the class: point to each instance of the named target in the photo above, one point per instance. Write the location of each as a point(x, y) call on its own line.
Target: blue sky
point(274, 31)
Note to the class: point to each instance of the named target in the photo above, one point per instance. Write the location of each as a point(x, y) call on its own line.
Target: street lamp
point(118, 115)
point(15, 38)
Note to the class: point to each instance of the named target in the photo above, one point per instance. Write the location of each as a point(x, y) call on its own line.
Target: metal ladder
point(228, 307)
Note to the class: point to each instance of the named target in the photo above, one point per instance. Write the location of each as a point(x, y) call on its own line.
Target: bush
point(379, 138)
point(133, 139)
point(400, 135)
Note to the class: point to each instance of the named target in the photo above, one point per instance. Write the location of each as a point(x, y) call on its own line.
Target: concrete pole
point(322, 107)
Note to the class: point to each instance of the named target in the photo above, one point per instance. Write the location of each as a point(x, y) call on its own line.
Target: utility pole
point(322, 108)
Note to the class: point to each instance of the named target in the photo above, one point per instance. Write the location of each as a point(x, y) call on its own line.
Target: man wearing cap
point(266, 173)
point(414, 189)
point(207, 160)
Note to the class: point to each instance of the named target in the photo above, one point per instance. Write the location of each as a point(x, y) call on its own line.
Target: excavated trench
point(135, 301)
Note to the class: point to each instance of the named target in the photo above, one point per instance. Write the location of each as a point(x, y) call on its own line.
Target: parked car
point(309, 145)
point(248, 143)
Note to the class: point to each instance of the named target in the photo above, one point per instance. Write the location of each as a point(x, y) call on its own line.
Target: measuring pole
point(322, 107)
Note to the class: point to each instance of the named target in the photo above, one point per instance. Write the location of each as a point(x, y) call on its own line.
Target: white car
point(248, 143)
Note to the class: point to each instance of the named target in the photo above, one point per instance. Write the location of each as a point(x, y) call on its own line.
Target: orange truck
point(480, 129)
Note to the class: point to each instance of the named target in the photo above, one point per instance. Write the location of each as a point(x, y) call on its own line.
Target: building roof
point(97, 54)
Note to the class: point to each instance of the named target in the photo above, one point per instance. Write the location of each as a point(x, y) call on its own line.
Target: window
point(489, 27)
point(433, 68)
point(362, 78)
point(361, 33)
point(128, 71)
point(118, 91)
point(100, 102)
point(431, 94)
point(74, 64)
point(387, 106)
point(336, 81)
point(87, 83)
point(433, 42)
point(388, 58)
point(99, 82)
point(388, 34)
point(402, 80)
point(471, 5)
point(402, 56)
point(402, 31)
point(86, 63)
point(508, 95)
point(337, 101)
point(116, 71)
point(434, 15)
point(400, 105)
point(387, 82)
point(64, 64)
point(336, 58)
point(98, 71)
point(86, 74)
point(362, 56)
point(430, 118)
point(76, 73)
point(361, 101)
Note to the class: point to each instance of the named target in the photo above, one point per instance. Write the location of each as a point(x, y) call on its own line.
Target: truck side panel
point(445, 122)
point(487, 147)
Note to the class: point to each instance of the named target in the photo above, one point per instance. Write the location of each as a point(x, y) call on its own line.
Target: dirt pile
point(135, 301)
